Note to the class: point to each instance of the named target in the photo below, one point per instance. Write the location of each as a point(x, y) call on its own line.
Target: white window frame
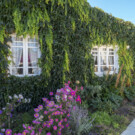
point(25, 57)
point(100, 49)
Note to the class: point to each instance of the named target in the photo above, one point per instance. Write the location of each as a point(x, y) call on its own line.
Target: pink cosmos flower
point(55, 127)
point(73, 93)
point(68, 115)
point(67, 125)
point(78, 99)
point(36, 115)
point(48, 133)
point(36, 110)
point(8, 132)
point(44, 99)
point(65, 119)
point(59, 132)
point(51, 94)
point(45, 112)
point(81, 87)
point(40, 107)
point(56, 120)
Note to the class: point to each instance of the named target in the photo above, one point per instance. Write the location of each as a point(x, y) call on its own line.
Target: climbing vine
point(66, 30)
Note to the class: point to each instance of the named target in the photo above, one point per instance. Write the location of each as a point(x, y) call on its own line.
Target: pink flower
point(44, 99)
point(24, 126)
point(36, 115)
point(48, 133)
point(45, 112)
point(81, 87)
point(73, 93)
point(78, 99)
point(40, 107)
point(56, 120)
point(51, 93)
point(36, 110)
point(68, 115)
point(67, 125)
point(55, 127)
point(65, 119)
point(68, 82)
point(8, 132)
point(59, 132)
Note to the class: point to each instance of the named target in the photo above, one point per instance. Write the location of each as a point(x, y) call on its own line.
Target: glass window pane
point(33, 44)
point(17, 44)
point(104, 49)
point(33, 71)
point(95, 69)
point(111, 68)
point(111, 50)
point(96, 60)
point(17, 59)
point(102, 68)
point(17, 71)
point(95, 49)
point(111, 60)
point(94, 53)
point(17, 39)
point(32, 57)
point(111, 53)
point(103, 60)
point(32, 40)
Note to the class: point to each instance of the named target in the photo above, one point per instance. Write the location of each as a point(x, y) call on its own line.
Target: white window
point(105, 58)
point(25, 55)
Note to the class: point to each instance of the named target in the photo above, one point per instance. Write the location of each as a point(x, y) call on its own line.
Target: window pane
point(111, 60)
point(33, 71)
point(17, 44)
point(111, 68)
point(95, 53)
point(95, 69)
point(111, 50)
point(17, 59)
point(33, 44)
point(32, 57)
point(111, 53)
point(32, 40)
point(95, 49)
point(17, 39)
point(102, 68)
point(17, 71)
point(103, 60)
point(96, 60)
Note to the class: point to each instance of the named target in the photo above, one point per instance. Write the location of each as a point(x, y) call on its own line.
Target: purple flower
point(0, 111)
point(8, 132)
point(36, 115)
point(36, 110)
point(51, 93)
point(44, 99)
point(55, 127)
point(24, 126)
point(48, 133)
point(40, 107)
point(1, 134)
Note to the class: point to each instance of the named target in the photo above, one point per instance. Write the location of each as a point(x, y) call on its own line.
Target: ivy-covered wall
point(67, 30)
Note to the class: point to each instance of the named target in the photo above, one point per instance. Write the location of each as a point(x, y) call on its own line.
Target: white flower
point(20, 96)
point(29, 100)
point(25, 100)
point(9, 97)
point(58, 90)
point(3, 108)
point(68, 90)
point(3, 130)
point(57, 97)
point(15, 96)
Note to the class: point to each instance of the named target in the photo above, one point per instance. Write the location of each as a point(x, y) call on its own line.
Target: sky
point(124, 9)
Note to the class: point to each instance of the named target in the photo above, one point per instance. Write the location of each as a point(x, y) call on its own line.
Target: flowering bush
point(6, 112)
point(52, 117)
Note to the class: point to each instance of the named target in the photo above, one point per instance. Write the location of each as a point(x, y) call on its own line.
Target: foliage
point(103, 95)
point(51, 118)
point(64, 28)
point(80, 122)
point(108, 124)
point(7, 112)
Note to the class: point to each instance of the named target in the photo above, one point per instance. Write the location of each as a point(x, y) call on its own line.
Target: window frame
point(25, 56)
point(100, 50)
